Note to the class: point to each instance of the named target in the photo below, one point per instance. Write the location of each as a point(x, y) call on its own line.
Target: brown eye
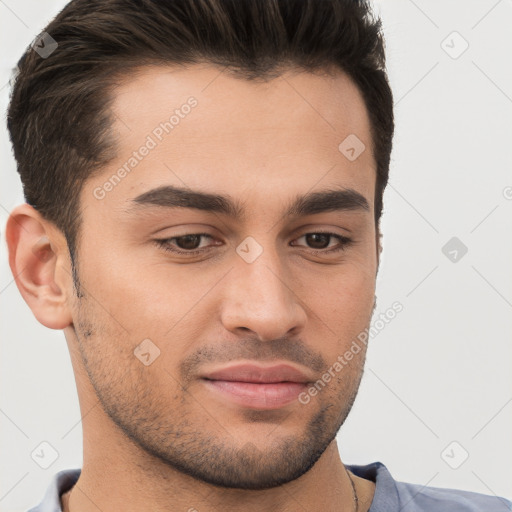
point(185, 244)
point(188, 242)
point(320, 241)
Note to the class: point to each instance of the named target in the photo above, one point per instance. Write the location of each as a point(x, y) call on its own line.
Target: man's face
point(264, 288)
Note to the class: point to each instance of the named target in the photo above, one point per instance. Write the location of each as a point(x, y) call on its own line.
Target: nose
point(260, 298)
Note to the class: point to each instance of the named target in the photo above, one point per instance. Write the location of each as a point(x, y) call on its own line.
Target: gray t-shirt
point(390, 495)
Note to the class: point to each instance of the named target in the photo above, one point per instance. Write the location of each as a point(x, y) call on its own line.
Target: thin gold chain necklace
point(354, 492)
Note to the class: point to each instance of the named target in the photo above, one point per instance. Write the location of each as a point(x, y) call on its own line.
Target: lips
point(257, 387)
point(259, 374)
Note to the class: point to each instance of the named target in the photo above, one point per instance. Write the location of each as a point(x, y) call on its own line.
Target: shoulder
point(59, 484)
point(391, 495)
point(416, 498)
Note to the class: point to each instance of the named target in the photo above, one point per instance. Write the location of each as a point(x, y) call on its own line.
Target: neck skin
point(119, 475)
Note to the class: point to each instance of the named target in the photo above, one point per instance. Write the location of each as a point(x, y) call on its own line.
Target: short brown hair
point(58, 117)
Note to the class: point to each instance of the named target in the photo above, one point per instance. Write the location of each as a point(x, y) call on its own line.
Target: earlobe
point(37, 256)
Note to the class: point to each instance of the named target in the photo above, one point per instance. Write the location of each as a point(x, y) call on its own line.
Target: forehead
point(209, 130)
point(328, 102)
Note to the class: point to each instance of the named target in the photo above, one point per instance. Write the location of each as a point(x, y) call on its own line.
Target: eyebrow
point(310, 204)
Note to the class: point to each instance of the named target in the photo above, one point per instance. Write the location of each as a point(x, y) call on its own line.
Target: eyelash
point(164, 243)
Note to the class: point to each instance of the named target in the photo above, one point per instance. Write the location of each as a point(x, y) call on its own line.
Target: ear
point(40, 263)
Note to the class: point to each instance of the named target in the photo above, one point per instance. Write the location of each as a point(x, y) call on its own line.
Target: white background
point(441, 370)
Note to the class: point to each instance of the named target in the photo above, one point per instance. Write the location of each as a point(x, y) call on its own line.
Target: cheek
point(340, 310)
point(126, 286)
point(137, 302)
point(342, 299)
